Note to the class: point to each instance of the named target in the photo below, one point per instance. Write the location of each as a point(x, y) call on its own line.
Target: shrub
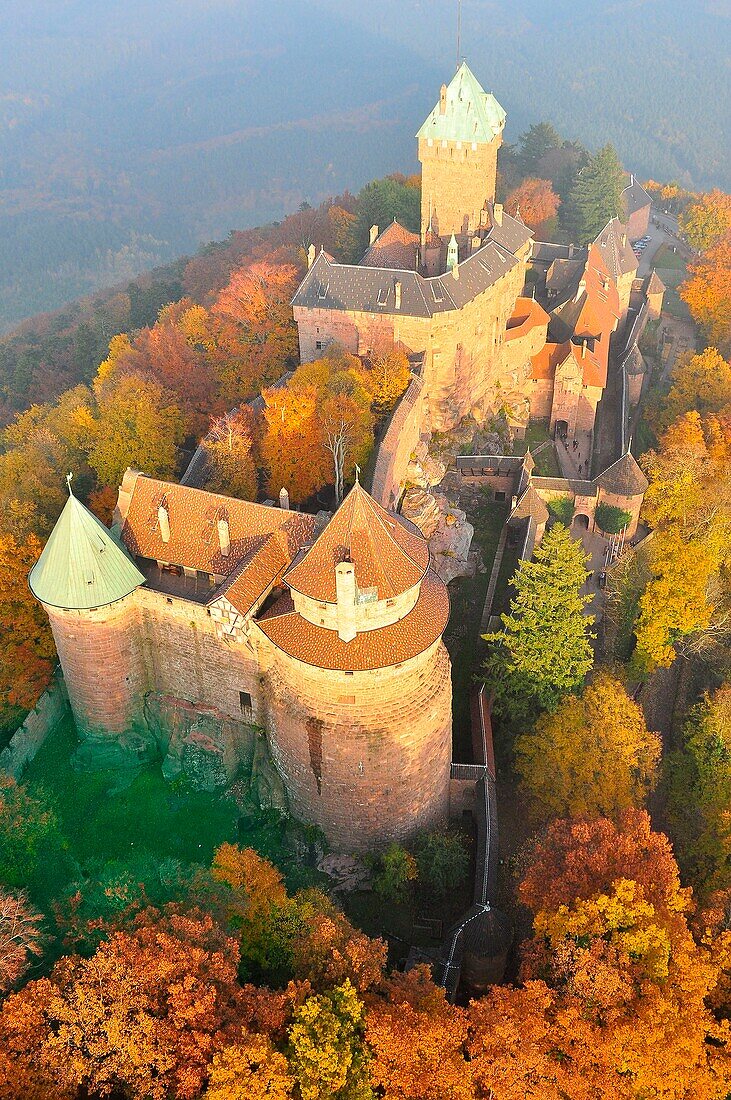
point(561, 509)
point(442, 861)
point(611, 519)
point(396, 869)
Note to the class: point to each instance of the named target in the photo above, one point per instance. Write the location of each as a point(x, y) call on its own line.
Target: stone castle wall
point(466, 366)
point(457, 178)
point(409, 421)
point(365, 756)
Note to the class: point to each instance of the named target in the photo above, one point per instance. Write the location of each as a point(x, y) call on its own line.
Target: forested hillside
point(166, 133)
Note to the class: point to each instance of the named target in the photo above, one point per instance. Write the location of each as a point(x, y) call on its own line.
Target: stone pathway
point(484, 621)
point(570, 459)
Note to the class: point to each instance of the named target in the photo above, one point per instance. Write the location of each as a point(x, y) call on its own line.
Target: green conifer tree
point(544, 649)
point(595, 197)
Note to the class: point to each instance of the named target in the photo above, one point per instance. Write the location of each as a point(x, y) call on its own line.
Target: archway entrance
point(561, 429)
point(580, 522)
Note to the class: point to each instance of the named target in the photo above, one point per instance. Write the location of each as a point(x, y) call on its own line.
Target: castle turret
point(359, 700)
point(85, 580)
point(458, 146)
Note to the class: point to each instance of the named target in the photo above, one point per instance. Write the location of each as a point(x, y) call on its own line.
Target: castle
point(328, 635)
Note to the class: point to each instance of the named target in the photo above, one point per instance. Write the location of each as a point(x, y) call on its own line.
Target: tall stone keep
point(458, 146)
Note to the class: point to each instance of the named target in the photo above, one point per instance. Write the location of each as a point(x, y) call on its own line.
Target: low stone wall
point(408, 421)
point(28, 738)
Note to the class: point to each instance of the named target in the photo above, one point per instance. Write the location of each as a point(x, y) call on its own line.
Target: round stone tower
point(85, 581)
point(358, 680)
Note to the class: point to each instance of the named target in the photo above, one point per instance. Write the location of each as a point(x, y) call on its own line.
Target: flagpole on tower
point(459, 31)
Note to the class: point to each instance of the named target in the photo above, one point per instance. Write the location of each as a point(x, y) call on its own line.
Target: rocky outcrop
point(446, 528)
point(424, 470)
point(212, 751)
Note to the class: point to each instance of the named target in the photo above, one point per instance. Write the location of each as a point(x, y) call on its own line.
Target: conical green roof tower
point(465, 112)
point(82, 566)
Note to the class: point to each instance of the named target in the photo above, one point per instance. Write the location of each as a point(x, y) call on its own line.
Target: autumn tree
point(229, 453)
point(326, 950)
point(21, 937)
point(326, 1050)
point(418, 1041)
point(386, 378)
point(596, 195)
point(249, 1069)
point(707, 293)
point(137, 424)
point(593, 756)
point(145, 1014)
point(535, 201)
point(707, 219)
point(579, 858)
point(28, 654)
point(700, 383)
point(699, 782)
point(543, 650)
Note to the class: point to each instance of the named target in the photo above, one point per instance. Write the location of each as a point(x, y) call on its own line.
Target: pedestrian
point(580, 469)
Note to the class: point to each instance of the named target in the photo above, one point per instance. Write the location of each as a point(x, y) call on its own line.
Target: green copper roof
point(82, 565)
point(470, 113)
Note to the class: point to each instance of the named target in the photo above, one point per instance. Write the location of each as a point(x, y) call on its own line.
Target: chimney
point(624, 240)
point(224, 538)
point(571, 251)
point(397, 293)
point(163, 519)
point(443, 100)
point(284, 499)
point(373, 234)
point(345, 591)
point(497, 213)
point(583, 349)
point(476, 242)
point(455, 271)
point(310, 256)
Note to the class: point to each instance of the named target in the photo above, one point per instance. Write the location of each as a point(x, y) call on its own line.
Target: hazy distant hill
point(132, 130)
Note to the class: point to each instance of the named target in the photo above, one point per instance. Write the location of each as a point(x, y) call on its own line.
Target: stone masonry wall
point(102, 662)
point(409, 421)
point(366, 757)
point(456, 180)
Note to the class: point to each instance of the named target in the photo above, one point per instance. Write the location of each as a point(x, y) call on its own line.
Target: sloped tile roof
point(396, 247)
point(193, 515)
point(616, 250)
point(369, 649)
point(633, 198)
point(548, 358)
point(388, 552)
point(527, 314)
point(624, 477)
point(470, 113)
point(245, 586)
point(530, 506)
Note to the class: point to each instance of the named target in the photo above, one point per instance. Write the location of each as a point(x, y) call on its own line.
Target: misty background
point(132, 131)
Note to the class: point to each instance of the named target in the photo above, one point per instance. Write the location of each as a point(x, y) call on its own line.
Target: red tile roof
point(527, 315)
point(369, 649)
point(548, 358)
point(388, 552)
point(193, 516)
point(395, 247)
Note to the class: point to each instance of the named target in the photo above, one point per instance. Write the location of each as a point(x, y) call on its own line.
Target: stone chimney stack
point(163, 518)
point(224, 537)
point(624, 240)
point(310, 256)
point(443, 100)
point(583, 349)
point(345, 590)
point(284, 499)
point(497, 213)
point(373, 234)
point(397, 293)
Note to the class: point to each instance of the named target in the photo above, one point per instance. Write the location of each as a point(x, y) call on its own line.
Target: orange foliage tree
point(707, 293)
point(27, 655)
point(145, 1014)
point(535, 200)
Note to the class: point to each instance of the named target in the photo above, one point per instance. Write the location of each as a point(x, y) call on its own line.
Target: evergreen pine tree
point(544, 648)
point(595, 197)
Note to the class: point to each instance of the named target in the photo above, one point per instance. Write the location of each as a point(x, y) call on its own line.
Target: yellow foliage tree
point(592, 757)
point(251, 1069)
point(326, 1046)
point(700, 383)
